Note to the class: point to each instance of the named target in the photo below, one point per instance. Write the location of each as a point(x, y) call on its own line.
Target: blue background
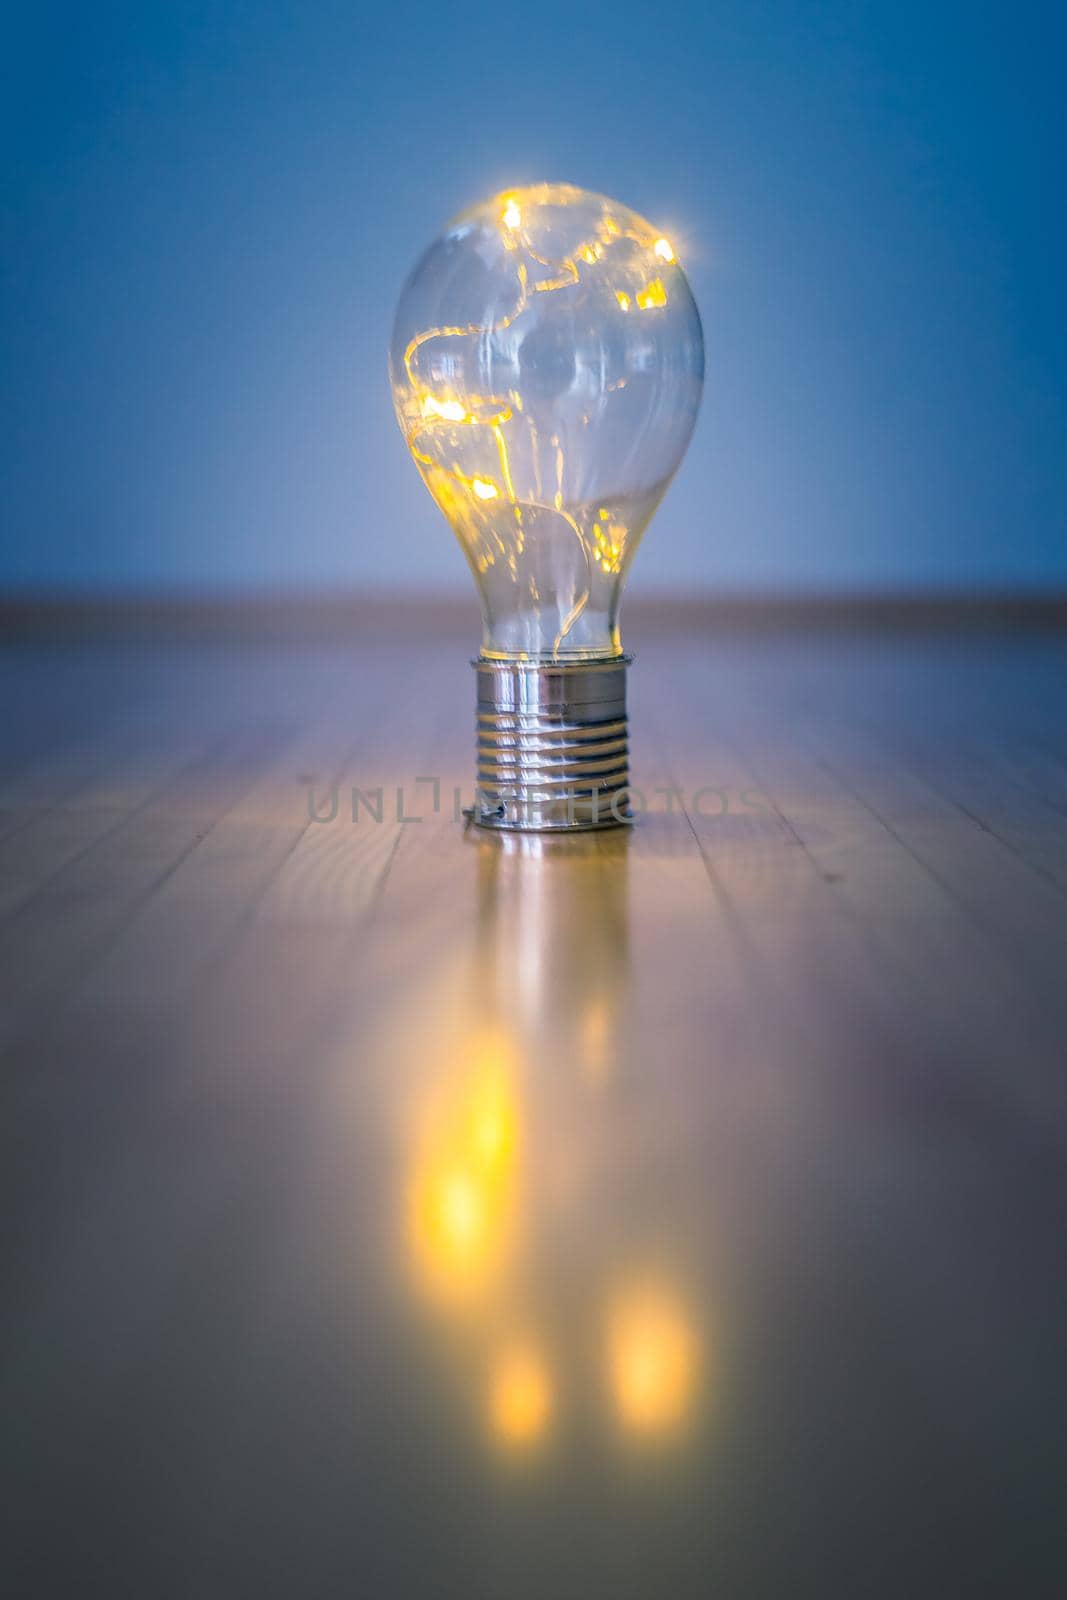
point(208, 212)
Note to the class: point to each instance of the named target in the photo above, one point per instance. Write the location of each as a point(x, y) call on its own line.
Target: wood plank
point(794, 1062)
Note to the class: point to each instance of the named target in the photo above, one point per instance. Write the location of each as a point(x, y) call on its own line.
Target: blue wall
point(208, 211)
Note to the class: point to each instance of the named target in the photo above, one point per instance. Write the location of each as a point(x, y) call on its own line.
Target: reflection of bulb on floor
point(597, 1052)
point(463, 1184)
point(652, 1357)
point(547, 366)
point(520, 1397)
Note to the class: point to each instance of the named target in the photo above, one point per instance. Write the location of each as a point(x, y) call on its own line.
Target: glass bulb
point(547, 365)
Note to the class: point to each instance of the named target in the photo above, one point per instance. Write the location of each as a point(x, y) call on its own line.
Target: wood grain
point(788, 1056)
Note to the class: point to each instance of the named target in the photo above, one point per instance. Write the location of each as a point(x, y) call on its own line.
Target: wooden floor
point(396, 1210)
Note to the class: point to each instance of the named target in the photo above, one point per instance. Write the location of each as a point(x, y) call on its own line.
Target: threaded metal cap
point(553, 749)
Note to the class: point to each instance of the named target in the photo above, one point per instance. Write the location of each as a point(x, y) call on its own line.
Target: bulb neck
point(553, 750)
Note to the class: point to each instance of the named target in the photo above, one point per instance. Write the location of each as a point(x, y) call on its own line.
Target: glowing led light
point(450, 410)
point(623, 298)
point(512, 215)
point(653, 294)
point(663, 250)
point(484, 488)
point(609, 543)
point(520, 1397)
point(652, 1354)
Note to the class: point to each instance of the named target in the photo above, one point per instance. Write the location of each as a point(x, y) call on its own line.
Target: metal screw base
point(552, 745)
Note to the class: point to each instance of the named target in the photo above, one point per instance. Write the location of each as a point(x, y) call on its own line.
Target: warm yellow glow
point(462, 1214)
point(494, 470)
point(450, 410)
point(561, 280)
point(609, 543)
point(653, 294)
point(463, 1187)
point(596, 1030)
point(652, 1355)
point(491, 1123)
point(457, 1225)
point(520, 1397)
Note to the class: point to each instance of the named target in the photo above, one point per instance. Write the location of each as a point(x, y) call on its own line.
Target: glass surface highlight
point(547, 366)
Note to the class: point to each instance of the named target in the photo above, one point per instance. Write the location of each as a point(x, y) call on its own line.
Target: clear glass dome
point(547, 365)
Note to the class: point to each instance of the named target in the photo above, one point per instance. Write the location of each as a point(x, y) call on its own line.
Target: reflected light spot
point(462, 1215)
point(651, 1361)
point(520, 1397)
point(596, 1019)
point(463, 1182)
point(484, 488)
point(663, 250)
point(457, 1225)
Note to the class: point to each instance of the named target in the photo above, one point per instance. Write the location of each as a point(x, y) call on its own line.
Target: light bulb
point(547, 365)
